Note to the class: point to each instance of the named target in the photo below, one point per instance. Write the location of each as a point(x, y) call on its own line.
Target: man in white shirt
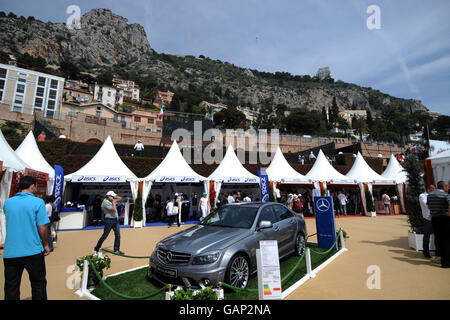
point(203, 205)
point(139, 147)
point(343, 202)
point(427, 225)
point(387, 203)
point(312, 157)
point(278, 194)
point(230, 198)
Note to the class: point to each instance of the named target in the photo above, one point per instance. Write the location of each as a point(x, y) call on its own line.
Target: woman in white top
point(203, 205)
point(173, 208)
point(48, 207)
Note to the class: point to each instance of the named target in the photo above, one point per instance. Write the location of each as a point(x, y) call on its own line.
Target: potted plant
point(369, 204)
point(99, 262)
point(415, 187)
point(137, 211)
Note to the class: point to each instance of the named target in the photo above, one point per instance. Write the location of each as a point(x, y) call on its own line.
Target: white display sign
point(241, 180)
point(269, 277)
point(177, 179)
point(437, 146)
point(96, 179)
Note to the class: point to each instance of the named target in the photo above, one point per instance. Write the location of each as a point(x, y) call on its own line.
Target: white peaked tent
point(29, 152)
point(11, 163)
point(279, 170)
point(362, 173)
point(173, 169)
point(440, 164)
point(230, 170)
point(322, 172)
point(396, 172)
point(105, 166)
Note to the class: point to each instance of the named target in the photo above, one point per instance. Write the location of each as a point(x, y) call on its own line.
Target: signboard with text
point(269, 277)
point(324, 213)
point(38, 175)
point(97, 179)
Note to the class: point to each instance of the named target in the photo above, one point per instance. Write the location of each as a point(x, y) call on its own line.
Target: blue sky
point(408, 57)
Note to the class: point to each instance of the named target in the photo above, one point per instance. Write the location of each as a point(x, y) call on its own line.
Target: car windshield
point(234, 216)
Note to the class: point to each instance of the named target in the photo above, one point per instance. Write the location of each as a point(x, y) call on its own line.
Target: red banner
point(36, 174)
point(1, 166)
point(15, 183)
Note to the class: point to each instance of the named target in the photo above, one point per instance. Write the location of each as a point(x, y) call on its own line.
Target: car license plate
point(167, 272)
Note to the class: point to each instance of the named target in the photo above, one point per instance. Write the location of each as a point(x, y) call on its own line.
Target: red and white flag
point(161, 112)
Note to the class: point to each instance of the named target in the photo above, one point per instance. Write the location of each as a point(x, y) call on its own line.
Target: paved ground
point(380, 241)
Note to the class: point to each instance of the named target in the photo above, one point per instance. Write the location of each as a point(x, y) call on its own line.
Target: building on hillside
point(161, 97)
point(323, 73)
point(76, 84)
point(108, 95)
point(136, 120)
point(26, 90)
point(130, 90)
point(77, 95)
point(349, 114)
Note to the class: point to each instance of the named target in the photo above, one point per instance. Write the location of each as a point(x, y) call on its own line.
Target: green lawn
point(135, 283)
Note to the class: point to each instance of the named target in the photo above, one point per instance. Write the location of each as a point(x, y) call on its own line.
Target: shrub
point(415, 187)
point(369, 201)
point(137, 213)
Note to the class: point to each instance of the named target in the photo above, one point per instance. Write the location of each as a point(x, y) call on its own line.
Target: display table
point(72, 218)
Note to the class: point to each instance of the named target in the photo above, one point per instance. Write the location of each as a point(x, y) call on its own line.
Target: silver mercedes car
point(222, 247)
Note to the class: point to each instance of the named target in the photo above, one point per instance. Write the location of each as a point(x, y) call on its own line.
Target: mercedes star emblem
point(323, 205)
point(169, 257)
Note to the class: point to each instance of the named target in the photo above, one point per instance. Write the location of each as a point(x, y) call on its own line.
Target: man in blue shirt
point(26, 241)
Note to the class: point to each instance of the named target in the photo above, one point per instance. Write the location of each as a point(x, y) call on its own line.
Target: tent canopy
point(279, 170)
point(174, 168)
point(11, 161)
point(395, 171)
point(105, 166)
point(29, 151)
point(441, 166)
point(323, 171)
point(363, 173)
point(230, 170)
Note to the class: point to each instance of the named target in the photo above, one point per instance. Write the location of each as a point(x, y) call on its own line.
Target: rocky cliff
point(107, 40)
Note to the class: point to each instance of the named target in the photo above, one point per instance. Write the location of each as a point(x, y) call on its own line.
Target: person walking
point(203, 205)
point(139, 147)
point(48, 200)
point(26, 243)
point(312, 157)
point(173, 208)
point(387, 203)
point(438, 202)
point(111, 222)
point(343, 202)
point(426, 217)
point(290, 200)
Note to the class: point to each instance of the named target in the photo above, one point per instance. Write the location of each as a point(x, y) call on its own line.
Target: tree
point(31, 61)
point(334, 111)
point(415, 187)
point(105, 78)
point(229, 118)
point(70, 70)
point(137, 211)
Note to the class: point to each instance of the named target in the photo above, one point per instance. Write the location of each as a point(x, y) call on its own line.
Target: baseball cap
point(111, 193)
point(204, 193)
point(176, 194)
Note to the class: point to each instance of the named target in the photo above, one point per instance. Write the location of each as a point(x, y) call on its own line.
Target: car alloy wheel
point(238, 272)
point(300, 244)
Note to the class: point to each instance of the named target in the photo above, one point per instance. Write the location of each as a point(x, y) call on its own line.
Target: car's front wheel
point(300, 244)
point(238, 271)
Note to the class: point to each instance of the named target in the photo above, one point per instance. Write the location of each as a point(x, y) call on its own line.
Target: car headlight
point(206, 258)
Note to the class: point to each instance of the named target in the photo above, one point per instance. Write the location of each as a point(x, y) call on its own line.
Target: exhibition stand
point(173, 175)
point(104, 172)
point(231, 176)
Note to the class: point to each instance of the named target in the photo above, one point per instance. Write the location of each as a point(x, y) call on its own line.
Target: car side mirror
point(265, 225)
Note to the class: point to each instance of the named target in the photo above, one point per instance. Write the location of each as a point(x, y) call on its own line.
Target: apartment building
point(26, 90)
point(108, 95)
point(130, 90)
point(161, 97)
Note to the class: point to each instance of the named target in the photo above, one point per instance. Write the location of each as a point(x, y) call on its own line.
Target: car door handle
point(293, 221)
point(276, 228)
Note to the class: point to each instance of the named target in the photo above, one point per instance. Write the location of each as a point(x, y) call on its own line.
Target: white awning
point(11, 161)
point(105, 166)
point(395, 171)
point(279, 170)
point(29, 152)
point(323, 171)
point(174, 168)
point(363, 173)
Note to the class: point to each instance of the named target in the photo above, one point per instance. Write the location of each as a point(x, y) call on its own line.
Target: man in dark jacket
point(438, 202)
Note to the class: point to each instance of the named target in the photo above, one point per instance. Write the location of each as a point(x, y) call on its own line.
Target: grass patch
point(135, 283)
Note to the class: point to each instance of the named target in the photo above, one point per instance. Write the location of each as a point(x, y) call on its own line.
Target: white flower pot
point(137, 224)
point(416, 241)
point(371, 214)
